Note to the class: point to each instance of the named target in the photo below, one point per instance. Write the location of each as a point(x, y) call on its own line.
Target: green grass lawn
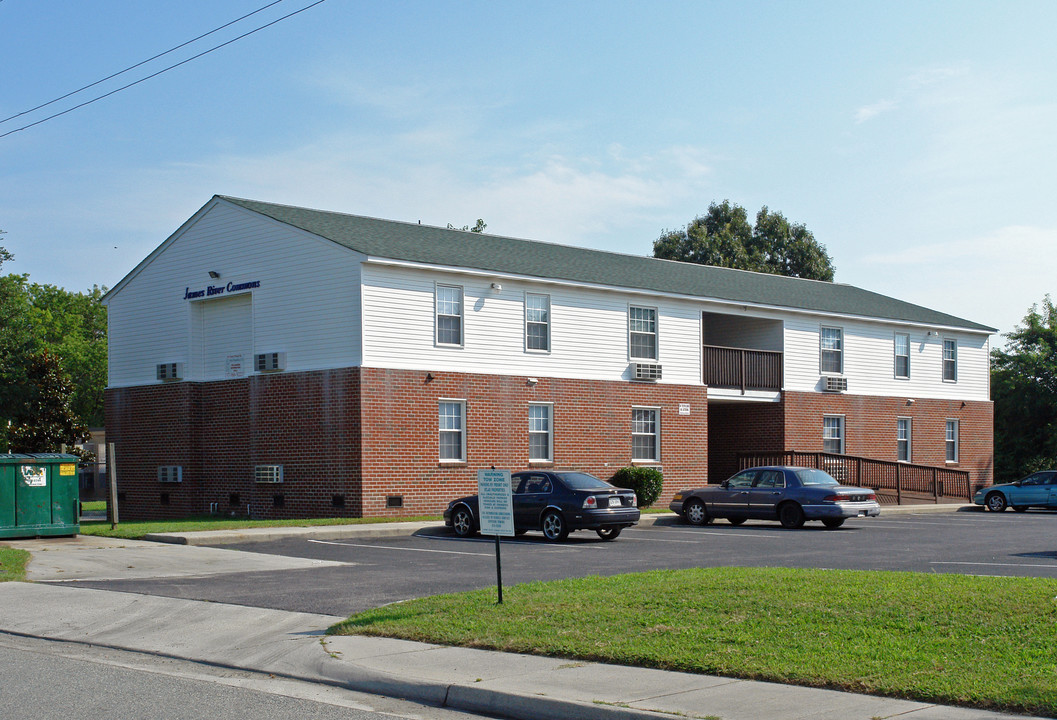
point(93, 506)
point(953, 639)
point(139, 528)
point(13, 564)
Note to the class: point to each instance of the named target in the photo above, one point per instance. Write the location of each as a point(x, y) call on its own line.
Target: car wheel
point(996, 502)
point(736, 520)
point(790, 515)
point(554, 527)
point(1019, 508)
point(833, 523)
point(695, 513)
point(462, 522)
point(608, 533)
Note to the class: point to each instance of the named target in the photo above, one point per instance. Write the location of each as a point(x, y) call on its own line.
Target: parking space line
point(733, 533)
point(1006, 565)
point(390, 547)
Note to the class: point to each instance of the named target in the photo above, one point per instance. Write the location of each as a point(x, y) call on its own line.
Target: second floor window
point(537, 322)
point(642, 330)
point(832, 350)
point(449, 315)
point(950, 360)
point(902, 369)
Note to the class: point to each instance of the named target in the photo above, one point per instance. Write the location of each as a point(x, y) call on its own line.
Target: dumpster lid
point(21, 459)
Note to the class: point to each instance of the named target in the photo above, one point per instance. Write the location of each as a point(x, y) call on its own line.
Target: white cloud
point(869, 112)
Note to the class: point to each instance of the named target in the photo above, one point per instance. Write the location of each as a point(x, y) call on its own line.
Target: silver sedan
point(790, 495)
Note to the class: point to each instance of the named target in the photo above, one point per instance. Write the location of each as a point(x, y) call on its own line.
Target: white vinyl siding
point(868, 361)
point(451, 426)
point(541, 432)
point(646, 434)
point(224, 329)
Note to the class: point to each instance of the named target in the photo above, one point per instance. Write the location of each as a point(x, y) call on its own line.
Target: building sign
point(214, 290)
point(236, 366)
point(684, 408)
point(495, 503)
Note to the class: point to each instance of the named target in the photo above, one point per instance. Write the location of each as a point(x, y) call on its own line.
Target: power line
point(163, 70)
point(133, 67)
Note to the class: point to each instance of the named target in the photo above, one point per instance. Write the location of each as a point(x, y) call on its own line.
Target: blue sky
point(917, 141)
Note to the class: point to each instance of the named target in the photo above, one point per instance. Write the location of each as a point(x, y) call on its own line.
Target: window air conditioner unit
point(170, 371)
point(170, 473)
point(268, 473)
point(836, 384)
point(270, 362)
point(647, 371)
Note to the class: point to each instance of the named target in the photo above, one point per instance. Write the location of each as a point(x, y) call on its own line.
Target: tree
point(478, 227)
point(46, 420)
point(1024, 391)
point(723, 237)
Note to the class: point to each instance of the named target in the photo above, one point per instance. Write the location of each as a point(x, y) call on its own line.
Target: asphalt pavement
point(295, 645)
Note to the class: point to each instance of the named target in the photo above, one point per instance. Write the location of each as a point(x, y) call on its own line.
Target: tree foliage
point(1024, 391)
point(51, 340)
point(46, 420)
point(724, 237)
point(478, 227)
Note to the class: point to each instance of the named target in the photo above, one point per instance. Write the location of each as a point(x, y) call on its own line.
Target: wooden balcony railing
point(725, 367)
point(895, 482)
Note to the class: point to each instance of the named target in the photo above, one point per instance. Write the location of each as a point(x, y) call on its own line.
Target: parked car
point(556, 503)
point(1036, 490)
point(791, 495)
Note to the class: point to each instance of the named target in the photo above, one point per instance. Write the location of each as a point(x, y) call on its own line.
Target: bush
point(645, 481)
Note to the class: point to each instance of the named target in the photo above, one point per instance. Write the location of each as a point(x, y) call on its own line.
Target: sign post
point(495, 506)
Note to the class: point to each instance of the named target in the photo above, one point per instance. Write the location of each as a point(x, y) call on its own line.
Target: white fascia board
point(373, 260)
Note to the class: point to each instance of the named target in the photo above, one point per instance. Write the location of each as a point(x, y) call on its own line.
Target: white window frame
point(953, 361)
point(442, 430)
point(841, 428)
point(437, 315)
point(822, 350)
point(655, 333)
point(908, 439)
point(896, 356)
point(546, 323)
point(656, 434)
point(952, 441)
point(548, 433)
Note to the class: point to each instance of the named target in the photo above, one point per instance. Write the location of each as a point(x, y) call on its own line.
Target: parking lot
point(373, 572)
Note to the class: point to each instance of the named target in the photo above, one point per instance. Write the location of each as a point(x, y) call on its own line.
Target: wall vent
point(835, 384)
point(647, 371)
point(167, 372)
point(170, 473)
point(268, 473)
point(394, 501)
point(270, 362)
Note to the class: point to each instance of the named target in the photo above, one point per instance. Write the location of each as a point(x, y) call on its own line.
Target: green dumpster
point(39, 495)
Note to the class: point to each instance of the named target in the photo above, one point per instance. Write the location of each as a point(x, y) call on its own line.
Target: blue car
point(790, 495)
point(555, 502)
point(1037, 490)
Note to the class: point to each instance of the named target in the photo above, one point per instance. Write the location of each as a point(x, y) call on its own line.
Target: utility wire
point(133, 67)
point(163, 70)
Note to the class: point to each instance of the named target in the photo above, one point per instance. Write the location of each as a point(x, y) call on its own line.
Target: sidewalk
point(524, 687)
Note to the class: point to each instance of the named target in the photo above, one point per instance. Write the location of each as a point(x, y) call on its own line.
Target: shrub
point(645, 481)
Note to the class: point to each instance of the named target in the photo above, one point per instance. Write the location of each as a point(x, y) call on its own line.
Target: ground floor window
point(646, 434)
point(903, 439)
point(952, 441)
point(833, 434)
point(452, 425)
point(541, 433)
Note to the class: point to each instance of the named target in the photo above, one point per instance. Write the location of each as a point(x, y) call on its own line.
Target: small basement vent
point(836, 384)
point(394, 501)
point(268, 473)
point(170, 371)
point(170, 473)
point(647, 371)
point(270, 362)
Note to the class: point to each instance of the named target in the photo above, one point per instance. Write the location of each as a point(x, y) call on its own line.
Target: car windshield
point(583, 481)
point(809, 476)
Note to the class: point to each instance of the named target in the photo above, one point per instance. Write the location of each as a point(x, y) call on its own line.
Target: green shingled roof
point(456, 248)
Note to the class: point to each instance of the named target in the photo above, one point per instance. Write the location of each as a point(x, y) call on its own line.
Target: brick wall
point(742, 427)
point(349, 439)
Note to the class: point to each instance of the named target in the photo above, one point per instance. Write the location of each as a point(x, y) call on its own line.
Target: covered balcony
point(741, 353)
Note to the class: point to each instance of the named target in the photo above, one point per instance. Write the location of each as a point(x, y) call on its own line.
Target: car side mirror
point(725, 484)
point(1017, 483)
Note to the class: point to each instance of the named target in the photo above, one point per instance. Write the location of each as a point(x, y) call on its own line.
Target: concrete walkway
point(295, 645)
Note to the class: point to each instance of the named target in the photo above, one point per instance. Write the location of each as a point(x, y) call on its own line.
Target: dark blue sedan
point(556, 503)
point(790, 495)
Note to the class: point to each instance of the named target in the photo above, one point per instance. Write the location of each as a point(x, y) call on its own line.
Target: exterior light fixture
point(496, 287)
point(214, 274)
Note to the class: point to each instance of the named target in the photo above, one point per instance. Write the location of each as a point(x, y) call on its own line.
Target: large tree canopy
point(724, 237)
point(1024, 391)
